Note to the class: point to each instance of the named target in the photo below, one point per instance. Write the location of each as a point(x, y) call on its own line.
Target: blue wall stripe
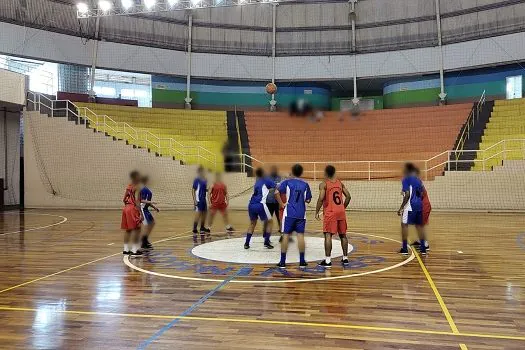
point(188, 311)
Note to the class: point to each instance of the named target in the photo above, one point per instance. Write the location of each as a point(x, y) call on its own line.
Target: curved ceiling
point(303, 27)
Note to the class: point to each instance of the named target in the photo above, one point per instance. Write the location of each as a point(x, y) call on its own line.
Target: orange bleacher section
point(408, 134)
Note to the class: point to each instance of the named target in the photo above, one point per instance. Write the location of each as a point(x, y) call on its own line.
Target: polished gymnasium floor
point(65, 285)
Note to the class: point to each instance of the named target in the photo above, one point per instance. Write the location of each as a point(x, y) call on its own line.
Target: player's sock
point(301, 257)
point(133, 248)
point(228, 227)
point(328, 259)
point(283, 258)
point(405, 244)
point(126, 247)
point(345, 258)
point(248, 238)
point(267, 238)
point(422, 243)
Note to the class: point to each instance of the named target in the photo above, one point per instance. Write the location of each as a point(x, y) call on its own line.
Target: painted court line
point(64, 219)
point(188, 311)
point(273, 322)
point(440, 300)
point(78, 266)
point(302, 280)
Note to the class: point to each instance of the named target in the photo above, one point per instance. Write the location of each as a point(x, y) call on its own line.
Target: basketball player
point(271, 202)
point(427, 208)
point(145, 203)
point(219, 202)
point(298, 194)
point(411, 209)
point(199, 194)
point(331, 191)
point(132, 216)
point(257, 208)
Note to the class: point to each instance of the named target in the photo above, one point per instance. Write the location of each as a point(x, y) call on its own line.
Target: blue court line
point(520, 240)
point(188, 311)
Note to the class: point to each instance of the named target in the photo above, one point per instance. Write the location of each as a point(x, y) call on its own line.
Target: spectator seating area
point(386, 137)
point(507, 122)
point(197, 136)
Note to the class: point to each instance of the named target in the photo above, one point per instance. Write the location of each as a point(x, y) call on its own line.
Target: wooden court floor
point(65, 285)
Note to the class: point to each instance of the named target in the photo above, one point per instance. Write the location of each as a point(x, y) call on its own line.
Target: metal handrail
point(105, 123)
point(429, 165)
point(465, 135)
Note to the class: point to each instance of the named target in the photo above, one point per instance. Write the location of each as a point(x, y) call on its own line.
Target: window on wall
point(514, 87)
point(125, 85)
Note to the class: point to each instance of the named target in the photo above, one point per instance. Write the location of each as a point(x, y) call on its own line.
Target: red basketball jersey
point(129, 195)
point(333, 204)
point(425, 200)
point(218, 194)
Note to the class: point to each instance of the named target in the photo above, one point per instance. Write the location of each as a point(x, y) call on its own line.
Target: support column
point(355, 100)
point(187, 100)
point(273, 102)
point(94, 60)
point(442, 95)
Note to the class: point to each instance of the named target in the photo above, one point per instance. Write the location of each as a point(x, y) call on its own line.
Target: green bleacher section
point(197, 137)
point(507, 122)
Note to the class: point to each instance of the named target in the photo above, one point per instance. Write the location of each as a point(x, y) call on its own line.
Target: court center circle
point(411, 257)
point(232, 251)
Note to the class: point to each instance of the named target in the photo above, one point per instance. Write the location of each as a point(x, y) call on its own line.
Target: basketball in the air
point(271, 88)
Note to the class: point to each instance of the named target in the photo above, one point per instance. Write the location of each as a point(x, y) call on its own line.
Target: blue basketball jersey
point(261, 189)
point(200, 187)
point(145, 195)
point(414, 186)
point(297, 193)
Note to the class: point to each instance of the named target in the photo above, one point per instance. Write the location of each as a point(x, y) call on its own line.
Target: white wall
point(13, 87)
point(39, 44)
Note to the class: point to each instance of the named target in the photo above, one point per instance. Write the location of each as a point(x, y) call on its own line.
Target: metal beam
point(273, 102)
point(164, 6)
point(188, 59)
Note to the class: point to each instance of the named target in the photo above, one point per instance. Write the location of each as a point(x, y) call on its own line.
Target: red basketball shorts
point(130, 218)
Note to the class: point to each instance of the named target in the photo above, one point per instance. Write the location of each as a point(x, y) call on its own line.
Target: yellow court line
point(274, 322)
point(463, 347)
point(438, 296)
point(77, 266)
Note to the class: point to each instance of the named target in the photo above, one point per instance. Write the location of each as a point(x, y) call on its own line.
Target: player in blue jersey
point(257, 208)
point(199, 194)
point(145, 203)
point(298, 194)
point(411, 209)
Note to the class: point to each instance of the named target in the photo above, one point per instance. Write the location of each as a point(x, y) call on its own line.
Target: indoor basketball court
point(262, 174)
point(73, 283)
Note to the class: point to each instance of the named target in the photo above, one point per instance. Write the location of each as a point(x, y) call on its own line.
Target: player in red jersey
point(219, 202)
point(132, 216)
point(427, 208)
point(331, 191)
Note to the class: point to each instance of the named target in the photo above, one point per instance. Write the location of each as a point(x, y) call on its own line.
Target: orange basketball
point(271, 88)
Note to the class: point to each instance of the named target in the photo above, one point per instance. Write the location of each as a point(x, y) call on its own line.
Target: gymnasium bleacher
point(507, 122)
point(192, 131)
point(407, 134)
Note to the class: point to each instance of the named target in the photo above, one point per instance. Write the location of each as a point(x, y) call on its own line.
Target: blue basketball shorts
point(148, 217)
point(259, 211)
point(412, 217)
point(290, 225)
point(201, 206)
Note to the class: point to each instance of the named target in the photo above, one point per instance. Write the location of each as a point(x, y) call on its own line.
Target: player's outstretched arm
point(348, 197)
point(322, 194)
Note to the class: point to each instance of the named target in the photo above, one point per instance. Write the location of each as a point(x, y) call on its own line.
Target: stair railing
point(469, 124)
point(45, 105)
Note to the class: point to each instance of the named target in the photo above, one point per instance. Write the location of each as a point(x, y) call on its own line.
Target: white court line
point(409, 259)
point(64, 219)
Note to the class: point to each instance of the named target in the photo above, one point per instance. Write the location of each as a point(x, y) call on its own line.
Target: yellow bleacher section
point(194, 131)
point(507, 122)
